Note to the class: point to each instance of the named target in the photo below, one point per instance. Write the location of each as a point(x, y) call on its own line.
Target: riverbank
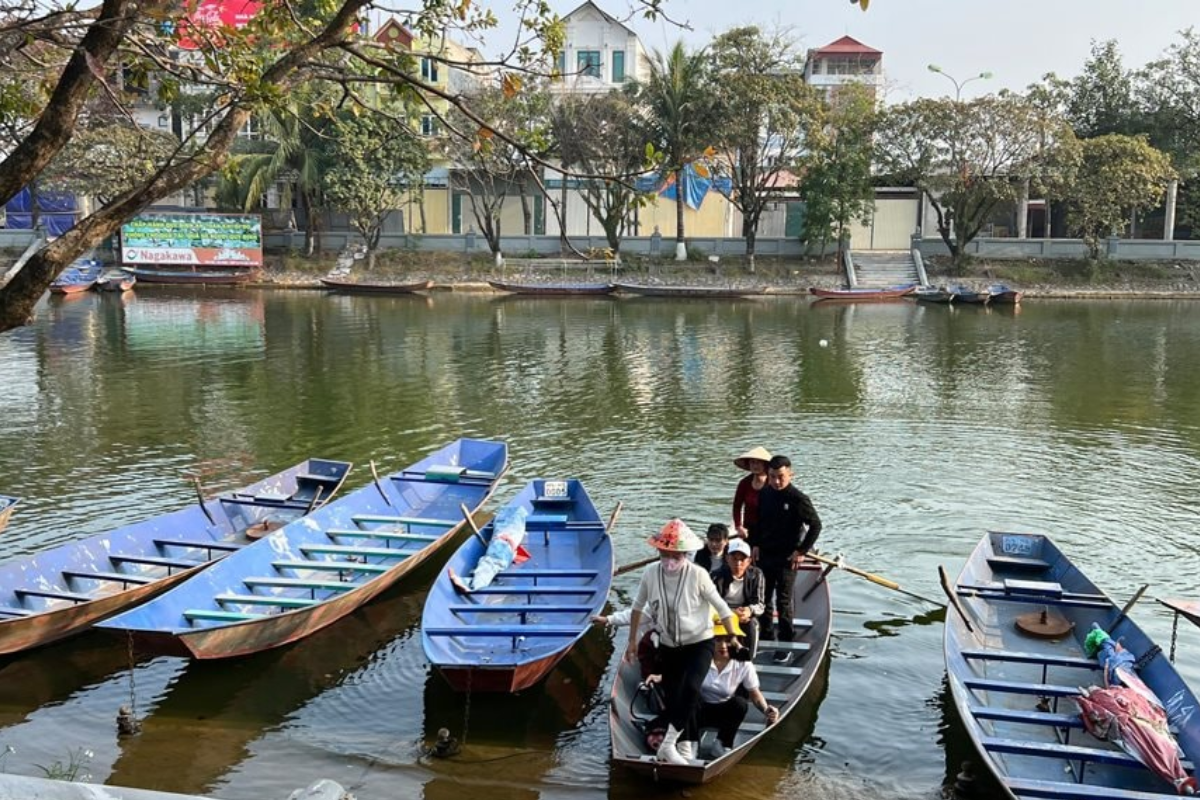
point(1037, 279)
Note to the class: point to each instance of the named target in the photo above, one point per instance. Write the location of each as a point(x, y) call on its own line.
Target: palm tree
point(676, 95)
point(299, 158)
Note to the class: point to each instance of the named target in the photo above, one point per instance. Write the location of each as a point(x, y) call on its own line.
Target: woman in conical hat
point(745, 497)
point(685, 597)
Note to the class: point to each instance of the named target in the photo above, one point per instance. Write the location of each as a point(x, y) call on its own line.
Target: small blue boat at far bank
point(506, 636)
point(57, 592)
point(314, 571)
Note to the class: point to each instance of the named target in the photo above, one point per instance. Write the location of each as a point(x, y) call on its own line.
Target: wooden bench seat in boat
point(1064, 790)
point(200, 544)
point(385, 519)
point(494, 589)
point(1020, 687)
point(213, 615)
point(331, 566)
point(348, 550)
point(482, 608)
point(300, 583)
point(265, 600)
point(1067, 752)
point(1017, 562)
point(1043, 600)
point(1027, 717)
point(12, 611)
point(548, 573)
point(95, 575)
point(155, 561)
point(381, 534)
point(771, 669)
point(1049, 659)
point(51, 594)
point(501, 631)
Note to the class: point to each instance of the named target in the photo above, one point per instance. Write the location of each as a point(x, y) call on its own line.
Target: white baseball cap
point(738, 546)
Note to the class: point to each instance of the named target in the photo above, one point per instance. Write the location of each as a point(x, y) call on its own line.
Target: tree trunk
point(526, 211)
point(680, 246)
point(310, 233)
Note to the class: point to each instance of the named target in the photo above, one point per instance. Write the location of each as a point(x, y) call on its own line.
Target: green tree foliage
point(765, 116)
point(605, 137)
point(1102, 99)
point(1118, 174)
point(109, 157)
point(837, 184)
point(678, 99)
point(376, 162)
point(969, 156)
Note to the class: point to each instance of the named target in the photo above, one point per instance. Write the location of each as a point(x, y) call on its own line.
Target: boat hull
point(351, 287)
point(554, 289)
point(226, 277)
point(685, 292)
point(782, 689)
point(996, 673)
point(860, 295)
point(501, 680)
point(7, 506)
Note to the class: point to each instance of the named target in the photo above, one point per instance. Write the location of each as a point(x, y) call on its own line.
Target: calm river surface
point(913, 428)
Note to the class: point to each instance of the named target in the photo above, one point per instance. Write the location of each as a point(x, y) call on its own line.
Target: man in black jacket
point(788, 526)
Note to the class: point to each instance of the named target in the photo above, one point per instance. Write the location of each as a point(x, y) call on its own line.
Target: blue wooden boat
point(52, 594)
point(507, 636)
point(8, 504)
point(314, 571)
point(1013, 688)
point(80, 276)
point(783, 686)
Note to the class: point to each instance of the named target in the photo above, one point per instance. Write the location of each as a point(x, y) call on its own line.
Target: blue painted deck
point(997, 676)
point(534, 611)
point(293, 582)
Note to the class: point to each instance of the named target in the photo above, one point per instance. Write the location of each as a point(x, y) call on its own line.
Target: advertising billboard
point(230, 240)
point(207, 17)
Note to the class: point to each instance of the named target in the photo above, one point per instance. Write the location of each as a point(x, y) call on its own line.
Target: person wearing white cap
point(684, 597)
point(744, 589)
point(745, 496)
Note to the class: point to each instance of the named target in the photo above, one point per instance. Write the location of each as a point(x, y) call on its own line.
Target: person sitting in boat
point(508, 532)
point(685, 597)
point(723, 707)
point(743, 587)
point(745, 496)
point(712, 555)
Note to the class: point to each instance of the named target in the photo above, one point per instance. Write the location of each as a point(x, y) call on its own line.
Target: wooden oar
point(466, 512)
point(612, 520)
point(957, 606)
point(873, 578)
point(200, 499)
point(1132, 602)
point(379, 486)
point(635, 565)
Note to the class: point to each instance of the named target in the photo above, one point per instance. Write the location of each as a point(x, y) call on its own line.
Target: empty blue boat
point(314, 571)
point(507, 636)
point(57, 592)
point(1015, 688)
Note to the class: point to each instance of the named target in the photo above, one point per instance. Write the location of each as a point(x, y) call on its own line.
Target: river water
point(913, 428)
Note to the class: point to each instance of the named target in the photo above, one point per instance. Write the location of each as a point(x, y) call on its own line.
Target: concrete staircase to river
point(878, 269)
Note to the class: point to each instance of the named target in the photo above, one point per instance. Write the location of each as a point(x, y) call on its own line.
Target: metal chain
point(467, 708)
point(132, 668)
point(1174, 635)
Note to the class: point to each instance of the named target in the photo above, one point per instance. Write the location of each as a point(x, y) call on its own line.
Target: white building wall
point(590, 30)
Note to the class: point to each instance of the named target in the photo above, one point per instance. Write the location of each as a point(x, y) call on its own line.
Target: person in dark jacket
point(712, 555)
point(788, 527)
point(744, 589)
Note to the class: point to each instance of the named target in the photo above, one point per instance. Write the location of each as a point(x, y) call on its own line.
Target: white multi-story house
point(844, 61)
point(601, 53)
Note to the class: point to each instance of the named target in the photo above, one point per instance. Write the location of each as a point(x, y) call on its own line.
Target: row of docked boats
point(91, 274)
point(345, 285)
point(269, 564)
point(995, 294)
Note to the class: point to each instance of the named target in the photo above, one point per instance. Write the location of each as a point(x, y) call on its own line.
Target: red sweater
point(745, 504)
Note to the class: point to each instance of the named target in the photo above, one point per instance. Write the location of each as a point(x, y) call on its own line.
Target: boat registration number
point(555, 489)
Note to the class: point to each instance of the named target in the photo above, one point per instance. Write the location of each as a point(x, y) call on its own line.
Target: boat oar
point(635, 565)
point(873, 578)
point(957, 606)
point(821, 579)
point(379, 486)
point(1132, 602)
point(612, 520)
point(316, 499)
point(466, 512)
point(200, 498)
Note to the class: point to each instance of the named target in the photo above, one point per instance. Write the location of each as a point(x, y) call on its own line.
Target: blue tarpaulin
point(57, 211)
point(696, 186)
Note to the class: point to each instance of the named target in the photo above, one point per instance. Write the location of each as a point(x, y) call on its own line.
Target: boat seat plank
point(123, 577)
point(548, 573)
point(211, 544)
point(1056, 790)
point(1047, 588)
point(338, 566)
point(265, 501)
point(381, 534)
point(1000, 588)
point(802, 623)
point(1043, 600)
point(799, 647)
point(157, 561)
point(1048, 659)
point(776, 697)
point(265, 600)
point(301, 583)
point(546, 519)
point(479, 608)
point(501, 631)
point(1017, 687)
point(1068, 752)
point(350, 550)
point(569, 590)
point(314, 478)
point(12, 611)
point(1030, 717)
point(545, 500)
point(428, 522)
point(51, 594)
point(771, 669)
point(1017, 562)
point(218, 616)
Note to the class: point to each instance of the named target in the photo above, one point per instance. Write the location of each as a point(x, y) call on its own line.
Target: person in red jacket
point(745, 497)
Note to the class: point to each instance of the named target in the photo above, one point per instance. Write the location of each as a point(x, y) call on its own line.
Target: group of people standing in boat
point(702, 600)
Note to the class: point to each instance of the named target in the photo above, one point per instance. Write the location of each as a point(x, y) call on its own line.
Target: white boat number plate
point(1017, 545)
point(555, 489)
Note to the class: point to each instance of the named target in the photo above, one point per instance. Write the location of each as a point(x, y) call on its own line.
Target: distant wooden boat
point(367, 287)
point(54, 593)
point(79, 277)
point(934, 294)
point(968, 296)
point(859, 295)
point(698, 292)
point(554, 289)
point(116, 282)
point(783, 687)
point(1015, 659)
point(507, 636)
point(1002, 294)
point(309, 574)
point(212, 277)
point(8, 504)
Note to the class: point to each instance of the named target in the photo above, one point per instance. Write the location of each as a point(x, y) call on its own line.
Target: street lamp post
point(958, 85)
